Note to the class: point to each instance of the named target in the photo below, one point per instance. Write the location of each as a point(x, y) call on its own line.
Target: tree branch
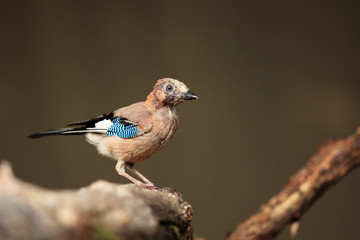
point(109, 211)
point(102, 210)
point(328, 166)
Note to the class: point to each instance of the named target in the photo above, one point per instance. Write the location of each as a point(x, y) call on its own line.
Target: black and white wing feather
point(104, 124)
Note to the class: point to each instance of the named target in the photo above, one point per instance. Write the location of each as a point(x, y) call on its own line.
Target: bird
point(132, 134)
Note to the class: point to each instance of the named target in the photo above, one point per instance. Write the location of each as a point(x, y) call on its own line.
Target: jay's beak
point(189, 96)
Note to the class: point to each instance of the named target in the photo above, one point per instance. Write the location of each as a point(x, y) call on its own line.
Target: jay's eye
point(169, 88)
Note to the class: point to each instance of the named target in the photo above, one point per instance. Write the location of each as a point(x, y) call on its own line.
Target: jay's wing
point(110, 125)
point(127, 122)
point(91, 122)
point(123, 128)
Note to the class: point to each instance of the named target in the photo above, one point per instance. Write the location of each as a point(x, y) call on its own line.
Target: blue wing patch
point(122, 130)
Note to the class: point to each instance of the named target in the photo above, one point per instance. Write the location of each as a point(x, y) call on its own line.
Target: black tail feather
point(61, 131)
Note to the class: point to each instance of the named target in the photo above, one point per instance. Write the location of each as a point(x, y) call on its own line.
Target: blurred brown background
point(275, 81)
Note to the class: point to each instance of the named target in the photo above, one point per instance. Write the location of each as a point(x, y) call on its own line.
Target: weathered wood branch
point(109, 211)
point(328, 166)
point(102, 210)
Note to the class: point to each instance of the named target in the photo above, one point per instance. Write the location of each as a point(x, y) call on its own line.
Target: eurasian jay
point(134, 133)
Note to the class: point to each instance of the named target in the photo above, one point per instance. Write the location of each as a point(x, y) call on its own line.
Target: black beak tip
point(190, 96)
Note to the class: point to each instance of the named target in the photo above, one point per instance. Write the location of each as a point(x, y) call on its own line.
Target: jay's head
point(171, 92)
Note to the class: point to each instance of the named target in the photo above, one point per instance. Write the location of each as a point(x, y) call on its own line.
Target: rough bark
point(102, 210)
point(328, 166)
point(109, 211)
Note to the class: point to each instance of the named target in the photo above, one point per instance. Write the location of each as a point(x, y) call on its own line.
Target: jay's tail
point(67, 131)
point(99, 124)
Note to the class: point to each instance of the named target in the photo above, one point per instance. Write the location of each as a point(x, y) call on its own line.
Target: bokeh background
point(275, 80)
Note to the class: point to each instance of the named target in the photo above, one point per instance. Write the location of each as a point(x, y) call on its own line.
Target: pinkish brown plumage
point(134, 133)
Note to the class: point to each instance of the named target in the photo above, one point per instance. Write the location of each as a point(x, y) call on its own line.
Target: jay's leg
point(130, 166)
point(120, 168)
